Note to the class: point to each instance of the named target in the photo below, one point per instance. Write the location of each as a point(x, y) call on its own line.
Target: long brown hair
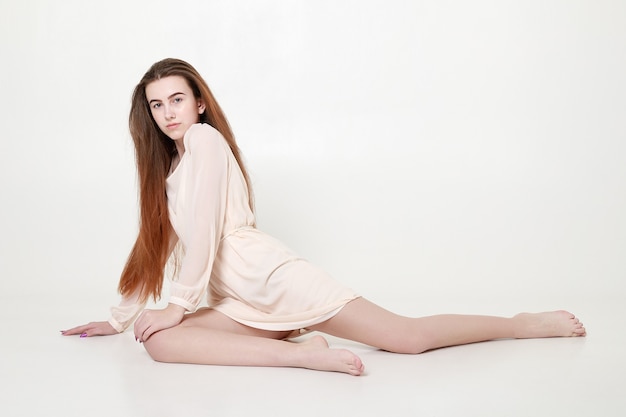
point(154, 151)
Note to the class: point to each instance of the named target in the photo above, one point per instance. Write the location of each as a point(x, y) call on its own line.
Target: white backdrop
point(433, 155)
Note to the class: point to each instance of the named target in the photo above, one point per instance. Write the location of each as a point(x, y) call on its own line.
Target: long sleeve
point(200, 211)
point(126, 312)
point(129, 308)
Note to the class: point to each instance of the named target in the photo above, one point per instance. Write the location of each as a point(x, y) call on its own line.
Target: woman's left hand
point(151, 321)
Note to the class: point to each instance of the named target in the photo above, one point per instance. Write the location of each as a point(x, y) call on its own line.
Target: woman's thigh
point(212, 319)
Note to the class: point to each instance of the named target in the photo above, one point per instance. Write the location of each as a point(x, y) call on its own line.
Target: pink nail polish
point(83, 335)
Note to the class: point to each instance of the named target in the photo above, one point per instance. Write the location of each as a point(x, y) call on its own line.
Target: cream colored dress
point(244, 273)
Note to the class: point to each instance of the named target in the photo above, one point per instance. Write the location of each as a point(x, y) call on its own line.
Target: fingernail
point(83, 335)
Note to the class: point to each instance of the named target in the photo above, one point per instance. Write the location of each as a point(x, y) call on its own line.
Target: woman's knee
point(157, 347)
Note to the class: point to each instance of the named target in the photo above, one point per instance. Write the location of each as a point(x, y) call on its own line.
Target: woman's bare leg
point(362, 321)
point(210, 338)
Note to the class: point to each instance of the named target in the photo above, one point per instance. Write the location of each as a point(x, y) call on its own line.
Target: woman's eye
point(178, 99)
point(156, 105)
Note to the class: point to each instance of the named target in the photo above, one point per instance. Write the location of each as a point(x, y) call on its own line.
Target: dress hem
point(284, 325)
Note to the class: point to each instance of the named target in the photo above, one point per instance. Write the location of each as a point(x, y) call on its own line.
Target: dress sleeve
point(204, 207)
point(129, 308)
point(126, 312)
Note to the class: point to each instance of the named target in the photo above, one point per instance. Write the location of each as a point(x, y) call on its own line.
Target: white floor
point(44, 373)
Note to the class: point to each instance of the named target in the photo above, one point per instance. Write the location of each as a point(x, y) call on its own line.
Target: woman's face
point(173, 106)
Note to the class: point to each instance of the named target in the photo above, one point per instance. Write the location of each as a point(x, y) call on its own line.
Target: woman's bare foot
point(550, 324)
point(315, 354)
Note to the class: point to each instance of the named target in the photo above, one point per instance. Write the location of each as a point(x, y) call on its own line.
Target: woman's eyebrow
point(171, 95)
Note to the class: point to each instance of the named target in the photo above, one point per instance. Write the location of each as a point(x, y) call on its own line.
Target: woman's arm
point(202, 212)
point(200, 220)
point(122, 315)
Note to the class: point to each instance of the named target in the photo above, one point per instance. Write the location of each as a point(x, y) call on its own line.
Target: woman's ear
point(201, 106)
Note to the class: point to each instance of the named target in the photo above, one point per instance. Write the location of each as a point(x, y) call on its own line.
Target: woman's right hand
point(95, 328)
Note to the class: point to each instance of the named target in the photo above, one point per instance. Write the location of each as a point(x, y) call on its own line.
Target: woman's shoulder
point(204, 141)
point(201, 134)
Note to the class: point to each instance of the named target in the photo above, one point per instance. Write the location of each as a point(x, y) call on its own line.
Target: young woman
point(195, 195)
